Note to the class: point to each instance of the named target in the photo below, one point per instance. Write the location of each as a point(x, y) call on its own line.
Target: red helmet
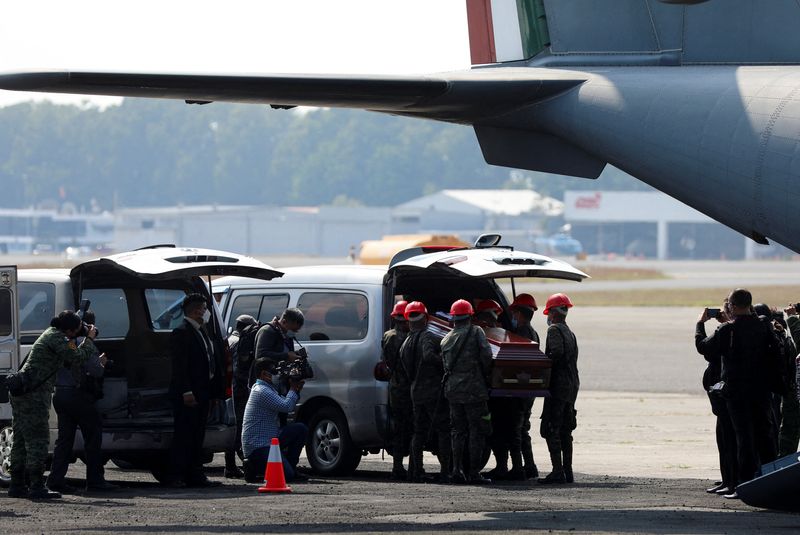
point(399, 309)
point(557, 300)
point(489, 305)
point(461, 307)
point(525, 300)
point(415, 307)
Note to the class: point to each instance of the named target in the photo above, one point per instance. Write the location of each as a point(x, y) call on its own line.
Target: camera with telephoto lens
point(85, 330)
point(296, 370)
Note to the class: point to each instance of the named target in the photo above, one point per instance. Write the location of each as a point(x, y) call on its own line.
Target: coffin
point(519, 368)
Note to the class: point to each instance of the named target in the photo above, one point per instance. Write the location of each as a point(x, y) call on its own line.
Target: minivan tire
point(6, 441)
point(329, 448)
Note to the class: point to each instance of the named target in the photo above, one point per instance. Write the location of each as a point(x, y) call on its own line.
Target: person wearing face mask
point(522, 310)
point(54, 348)
point(262, 423)
point(559, 415)
point(197, 382)
point(275, 340)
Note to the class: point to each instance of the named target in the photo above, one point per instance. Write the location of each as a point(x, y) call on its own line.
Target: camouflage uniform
point(31, 411)
point(511, 422)
point(420, 355)
point(400, 406)
point(558, 415)
point(527, 407)
point(467, 361)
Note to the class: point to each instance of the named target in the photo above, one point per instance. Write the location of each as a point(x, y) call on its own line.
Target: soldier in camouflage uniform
point(400, 406)
point(420, 355)
point(559, 416)
point(51, 351)
point(467, 360)
point(522, 309)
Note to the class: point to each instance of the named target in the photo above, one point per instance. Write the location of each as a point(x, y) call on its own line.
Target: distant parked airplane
point(700, 101)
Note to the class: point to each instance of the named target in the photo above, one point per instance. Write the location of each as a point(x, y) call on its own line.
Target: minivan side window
point(165, 307)
point(111, 309)
point(37, 303)
point(262, 307)
point(333, 316)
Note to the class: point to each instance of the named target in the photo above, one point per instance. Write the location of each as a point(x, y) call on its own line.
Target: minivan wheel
point(329, 448)
point(6, 441)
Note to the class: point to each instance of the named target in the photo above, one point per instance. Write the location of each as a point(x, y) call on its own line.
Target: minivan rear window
point(111, 309)
point(333, 316)
point(261, 307)
point(37, 303)
point(165, 307)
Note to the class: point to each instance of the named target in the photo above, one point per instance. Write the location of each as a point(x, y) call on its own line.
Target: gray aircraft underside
point(700, 101)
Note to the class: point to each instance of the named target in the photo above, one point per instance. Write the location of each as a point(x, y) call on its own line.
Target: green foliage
point(153, 152)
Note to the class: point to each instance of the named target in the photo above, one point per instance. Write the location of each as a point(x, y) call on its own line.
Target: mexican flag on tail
point(506, 30)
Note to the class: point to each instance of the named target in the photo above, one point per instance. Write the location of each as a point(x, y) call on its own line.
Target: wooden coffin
point(519, 367)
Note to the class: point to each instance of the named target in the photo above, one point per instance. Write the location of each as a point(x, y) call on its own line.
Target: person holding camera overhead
point(77, 390)
point(31, 403)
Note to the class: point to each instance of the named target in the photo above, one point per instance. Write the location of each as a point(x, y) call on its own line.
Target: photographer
point(746, 345)
point(726, 437)
point(261, 424)
point(74, 402)
point(275, 340)
point(49, 353)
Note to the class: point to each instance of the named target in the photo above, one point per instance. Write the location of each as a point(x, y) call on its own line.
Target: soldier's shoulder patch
point(71, 344)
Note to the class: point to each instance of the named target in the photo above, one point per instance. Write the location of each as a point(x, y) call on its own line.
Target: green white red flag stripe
point(498, 30)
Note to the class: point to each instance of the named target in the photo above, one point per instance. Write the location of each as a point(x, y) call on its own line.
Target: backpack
point(246, 347)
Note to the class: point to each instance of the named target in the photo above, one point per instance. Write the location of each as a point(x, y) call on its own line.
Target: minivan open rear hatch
point(168, 262)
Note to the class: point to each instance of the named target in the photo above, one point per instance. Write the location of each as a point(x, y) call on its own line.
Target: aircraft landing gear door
point(9, 329)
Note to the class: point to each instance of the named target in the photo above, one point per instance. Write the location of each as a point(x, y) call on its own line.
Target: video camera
point(297, 370)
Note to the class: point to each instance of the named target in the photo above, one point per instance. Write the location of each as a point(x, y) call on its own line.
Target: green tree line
point(157, 153)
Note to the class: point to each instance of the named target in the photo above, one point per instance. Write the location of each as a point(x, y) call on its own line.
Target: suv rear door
point(490, 263)
point(9, 359)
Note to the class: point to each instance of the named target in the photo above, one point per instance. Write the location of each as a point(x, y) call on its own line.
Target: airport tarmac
point(644, 452)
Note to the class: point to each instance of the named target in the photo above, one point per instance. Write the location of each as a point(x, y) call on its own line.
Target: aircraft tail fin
point(506, 30)
point(575, 33)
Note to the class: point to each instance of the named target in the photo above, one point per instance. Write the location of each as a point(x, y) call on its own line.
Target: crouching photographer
point(262, 423)
point(78, 387)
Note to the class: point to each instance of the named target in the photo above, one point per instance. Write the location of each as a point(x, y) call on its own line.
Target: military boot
point(457, 475)
point(17, 488)
point(557, 475)
point(398, 470)
point(38, 490)
point(500, 471)
point(517, 472)
point(530, 466)
point(567, 452)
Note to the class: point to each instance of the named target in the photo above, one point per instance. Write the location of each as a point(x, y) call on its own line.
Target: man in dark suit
point(197, 382)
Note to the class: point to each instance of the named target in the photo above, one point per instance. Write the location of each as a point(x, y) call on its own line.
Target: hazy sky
point(234, 36)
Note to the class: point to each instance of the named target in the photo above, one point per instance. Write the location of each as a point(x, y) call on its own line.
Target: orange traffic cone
point(274, 480)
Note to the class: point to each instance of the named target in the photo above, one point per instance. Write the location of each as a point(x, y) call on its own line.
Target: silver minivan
point(136, 297)
point(347, 311)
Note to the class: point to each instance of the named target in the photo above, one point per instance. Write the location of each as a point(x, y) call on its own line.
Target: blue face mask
point(514, 323)
point(549, 321)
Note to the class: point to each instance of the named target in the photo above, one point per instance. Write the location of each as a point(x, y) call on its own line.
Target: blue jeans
point(292, 438)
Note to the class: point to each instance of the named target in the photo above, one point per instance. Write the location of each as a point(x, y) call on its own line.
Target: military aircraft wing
point(460, 96)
